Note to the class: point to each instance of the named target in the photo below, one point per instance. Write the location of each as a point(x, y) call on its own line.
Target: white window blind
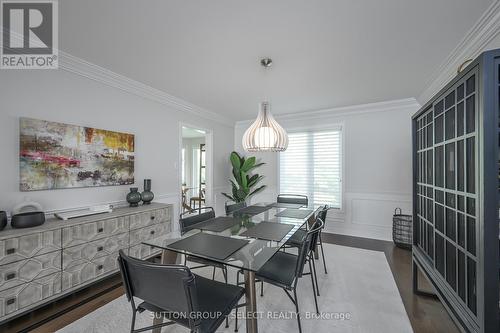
point(312, 166)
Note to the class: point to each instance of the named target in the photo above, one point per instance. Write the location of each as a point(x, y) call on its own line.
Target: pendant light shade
point(265, 134)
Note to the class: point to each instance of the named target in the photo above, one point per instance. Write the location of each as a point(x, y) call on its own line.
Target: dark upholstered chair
point(187, 222)
point(176, 294)
point(293, 199)
point(188, 219)
point(296, 241)
point(284, 269)
point(230, 208)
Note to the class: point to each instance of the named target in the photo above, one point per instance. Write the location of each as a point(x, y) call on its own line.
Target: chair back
point(322, 214)
point(234, 207)
point(168, 287)
point(188, 219)
point(293, 199)
point(308, 244)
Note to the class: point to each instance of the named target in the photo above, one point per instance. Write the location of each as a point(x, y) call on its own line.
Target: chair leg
point(132, 326)
point(313, 271)
point(261, 288)
point(213, 274)
point(297, 308)
point(312, 282)
point(236, 318)
point(322, 252)
point(224, 272)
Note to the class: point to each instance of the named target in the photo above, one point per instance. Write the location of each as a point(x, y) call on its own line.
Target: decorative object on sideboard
point(94, 210)
point(55, 155)
point(3, 219)
point(243, 181)
point(26, 206)
point(134, 197)
point(27, 220)
point(402, 229)
point(147, 195)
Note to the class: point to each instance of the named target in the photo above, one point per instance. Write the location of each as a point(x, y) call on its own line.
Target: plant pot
point(134, 197)
point(147, 195)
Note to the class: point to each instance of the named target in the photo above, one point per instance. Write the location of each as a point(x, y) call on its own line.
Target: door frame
point(209, 198)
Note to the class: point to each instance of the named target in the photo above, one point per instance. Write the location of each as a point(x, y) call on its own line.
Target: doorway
point(195, 164)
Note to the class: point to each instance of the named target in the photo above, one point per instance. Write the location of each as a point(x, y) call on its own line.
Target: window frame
point(340, 126)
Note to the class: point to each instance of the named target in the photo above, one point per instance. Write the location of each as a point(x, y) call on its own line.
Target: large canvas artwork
point(56, 156)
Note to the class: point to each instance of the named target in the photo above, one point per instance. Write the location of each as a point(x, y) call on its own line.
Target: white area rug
point(358, 294)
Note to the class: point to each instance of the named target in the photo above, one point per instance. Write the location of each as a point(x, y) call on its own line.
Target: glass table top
point(256, 252)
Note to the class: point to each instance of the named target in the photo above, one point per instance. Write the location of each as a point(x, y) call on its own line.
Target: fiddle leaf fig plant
point(244, 182)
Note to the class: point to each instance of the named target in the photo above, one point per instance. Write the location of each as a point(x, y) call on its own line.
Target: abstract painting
point(55, 156)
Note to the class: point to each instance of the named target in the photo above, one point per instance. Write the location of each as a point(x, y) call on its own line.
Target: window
point(312, 165)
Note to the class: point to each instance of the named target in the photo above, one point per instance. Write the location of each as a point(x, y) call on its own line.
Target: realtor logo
point(29, 34)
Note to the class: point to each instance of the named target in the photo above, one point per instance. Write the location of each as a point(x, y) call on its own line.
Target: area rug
point(358, 294)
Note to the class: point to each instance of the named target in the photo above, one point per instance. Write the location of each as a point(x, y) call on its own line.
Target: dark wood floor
point(426, 314)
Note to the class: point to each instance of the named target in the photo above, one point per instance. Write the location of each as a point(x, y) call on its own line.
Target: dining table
point(245, 240)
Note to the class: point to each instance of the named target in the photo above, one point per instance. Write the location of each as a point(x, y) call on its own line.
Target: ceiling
point(327, 53)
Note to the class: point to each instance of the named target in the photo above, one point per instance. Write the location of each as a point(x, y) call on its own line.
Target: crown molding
point(471, 46)
point(410, 104)
point(75, 65)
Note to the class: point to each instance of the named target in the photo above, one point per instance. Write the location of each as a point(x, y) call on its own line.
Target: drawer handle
point(11, 301)
point(152, 217)
point(100, 248)
point(10, 276)
point(100, 230)
point(152, 232)
point(10, 251)
point(99, 267)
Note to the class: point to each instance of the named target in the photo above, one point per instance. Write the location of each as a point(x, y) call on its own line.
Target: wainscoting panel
point(368, 215)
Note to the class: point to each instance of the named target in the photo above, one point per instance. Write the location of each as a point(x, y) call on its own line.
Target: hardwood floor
point(426, 314)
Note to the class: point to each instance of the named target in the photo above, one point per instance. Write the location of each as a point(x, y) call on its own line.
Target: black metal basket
point(402, 229)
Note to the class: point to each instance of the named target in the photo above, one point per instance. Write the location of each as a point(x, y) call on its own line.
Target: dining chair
point(187, 221)
point(176, 294)
point(293, 199)
point(230, 208)
point(285, 269)
point(296, 238)
point(296, 241)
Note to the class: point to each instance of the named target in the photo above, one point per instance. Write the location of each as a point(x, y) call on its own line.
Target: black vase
point(3, 219)
point(147, 195)
point(134, 197)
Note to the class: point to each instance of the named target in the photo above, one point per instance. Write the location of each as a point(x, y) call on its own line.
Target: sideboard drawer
point(145, 219)
point(142, 251)
point(84, 233)
point(80, 272)
point(93, 250)
point(28, 246)
point(25, 271)
point(29, 294)
point(141, 235)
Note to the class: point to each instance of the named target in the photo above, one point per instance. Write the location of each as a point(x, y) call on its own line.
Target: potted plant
point(244, 182)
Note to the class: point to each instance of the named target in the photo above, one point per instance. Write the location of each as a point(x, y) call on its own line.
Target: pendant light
point(265, 134)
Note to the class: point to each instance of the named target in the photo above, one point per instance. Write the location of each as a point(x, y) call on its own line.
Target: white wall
point(377, 164)
point(61, 96)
